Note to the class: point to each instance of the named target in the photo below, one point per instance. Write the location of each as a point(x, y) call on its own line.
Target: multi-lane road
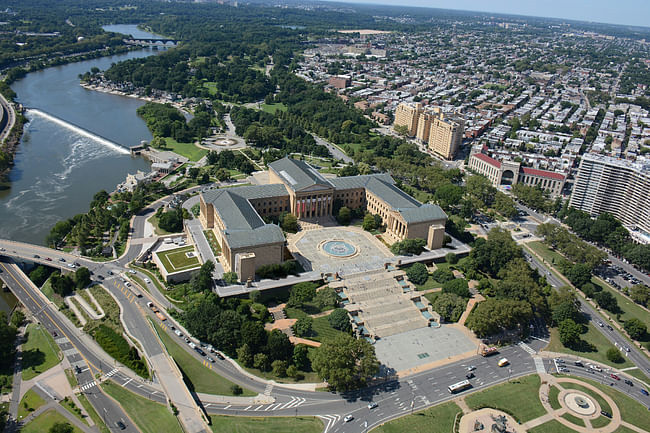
point(393, 398)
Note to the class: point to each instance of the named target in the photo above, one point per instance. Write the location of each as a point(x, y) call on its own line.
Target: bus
point(160, 316)
point(460, 386)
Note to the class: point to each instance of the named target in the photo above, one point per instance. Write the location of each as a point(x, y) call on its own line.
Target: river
point(74, 145)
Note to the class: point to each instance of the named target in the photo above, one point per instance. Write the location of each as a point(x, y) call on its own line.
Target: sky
point(632, 12)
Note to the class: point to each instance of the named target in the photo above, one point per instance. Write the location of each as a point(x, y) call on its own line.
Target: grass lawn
point(188, 150)
point(630, 309)
point(154, 222)
point(519, 398)
point(551, 427)
point(49, 292)
point(152, 277)
point(40, 353)
point(177, 260)
point(212, 240)
point(45, 421)
point(430, 283)
point(140, 283)
point(601, 401)
point(638, 374)
point(93, 414)
point(631, 410)
point(73, 409)
point(623, 429)
point(601, 421)
point(573, 419)
point(552, 397)
point(272, 108)
point(321, 326)
point(200, 377)
point(437, 419)
point(29, 403)
point(546, 253)
point(150, 417)
point(240, 424)
point(592, 336)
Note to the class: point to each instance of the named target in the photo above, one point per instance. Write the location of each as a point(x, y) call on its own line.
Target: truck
point(487, 351)
point(160, 316)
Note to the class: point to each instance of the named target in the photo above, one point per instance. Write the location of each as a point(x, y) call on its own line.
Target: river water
point(74, 145)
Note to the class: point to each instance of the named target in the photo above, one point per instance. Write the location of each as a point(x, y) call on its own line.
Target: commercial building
point(340, 81)
point(235, 214)
point(511, 172)
point(620, 187)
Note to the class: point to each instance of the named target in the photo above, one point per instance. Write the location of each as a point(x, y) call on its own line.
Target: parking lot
point(617, 276)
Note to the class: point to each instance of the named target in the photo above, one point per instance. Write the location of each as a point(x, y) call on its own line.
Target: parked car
point(209, 359)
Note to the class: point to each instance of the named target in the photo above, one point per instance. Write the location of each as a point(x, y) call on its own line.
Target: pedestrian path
point(527, 348)
point(539, 365)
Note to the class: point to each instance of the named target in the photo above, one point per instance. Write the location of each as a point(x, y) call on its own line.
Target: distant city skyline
point(625, 12)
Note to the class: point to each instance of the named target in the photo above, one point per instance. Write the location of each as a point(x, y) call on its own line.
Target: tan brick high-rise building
point(446, 135)
point(407, 115)
point(424, 124)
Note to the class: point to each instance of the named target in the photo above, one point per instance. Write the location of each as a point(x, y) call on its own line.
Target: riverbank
point(105, 88)
point(11, 131)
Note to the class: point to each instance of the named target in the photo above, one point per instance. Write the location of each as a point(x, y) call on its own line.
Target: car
point(559, 360)
point(120, 425)
point(110, 272)
point(100, 277)
point(629, 382)
point(54, 334)
point(372, 405)
point(77, 369)
point(469, 375)
point(600, 324)
point(220, 356)
point(610, 327)
point(348, 418)
point(179, 333)
point(61, 259)
point(578, 364)
point(48, 259)
point(563, 370)
point(131, 271)
point(606, 414)
point(147, 280)
point(36, 256)
point(209, 359)
point(70, 265)
point(627, 349)
point(613, 376)
point(471, 368)
point(2, 249)
point(644, 392)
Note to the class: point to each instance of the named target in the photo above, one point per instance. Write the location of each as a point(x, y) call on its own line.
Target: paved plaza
point(370, 252)
point(422, 346)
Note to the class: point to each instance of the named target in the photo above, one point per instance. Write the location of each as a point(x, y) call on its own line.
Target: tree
point(505, 205)
point(480, 189)
point(236, 389)
point(639, 293)
point(39, 275)
point(344, 216)
point(443, 275)
point(402, 130)
point(569, 333)
point(493, 254)
point(565, 311)
point(606, 300)
point(495, 315)
point(417, 273)
point(253, 335)
point(61, 427)
point(279, 346)
point(292, 371)
point(408, 247)
point(301, 356)
point(368, 222)
point(326, 298)
point(82, 277)
point(457, 286)
point(450, 306)
point(290, 223)
point(614, 355)
point(171, 221)
point(230, 278)
point(301, 293)
point(345, 362)
point(202, 281)
point(303, 326)
point(451, 258)
point(279, 368)
point(62, 285)
point(448, 195)
point(245, 355)
point(579, 274)
point(340, 320)
point(635, 328)
point(261, 361)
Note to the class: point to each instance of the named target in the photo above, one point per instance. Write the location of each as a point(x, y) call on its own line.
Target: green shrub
point(116, 346)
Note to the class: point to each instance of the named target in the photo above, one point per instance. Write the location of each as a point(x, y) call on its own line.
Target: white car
point(147, 280)
point(131, 271)
point(71, 265)
point(471, 368)
point(372, 405)
point(348, 418)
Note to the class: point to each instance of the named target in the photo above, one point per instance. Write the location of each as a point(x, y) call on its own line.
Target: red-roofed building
point(510, 173)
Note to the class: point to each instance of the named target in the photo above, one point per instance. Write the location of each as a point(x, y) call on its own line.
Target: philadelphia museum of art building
point(247, 242)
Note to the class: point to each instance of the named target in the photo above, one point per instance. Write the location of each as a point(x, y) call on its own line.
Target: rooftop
point(297, 174)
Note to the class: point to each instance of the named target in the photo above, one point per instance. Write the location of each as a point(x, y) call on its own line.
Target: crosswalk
point(539, 364)
point(526, 347)
point(88, 385)
point(330, 421)
point(111, 373)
